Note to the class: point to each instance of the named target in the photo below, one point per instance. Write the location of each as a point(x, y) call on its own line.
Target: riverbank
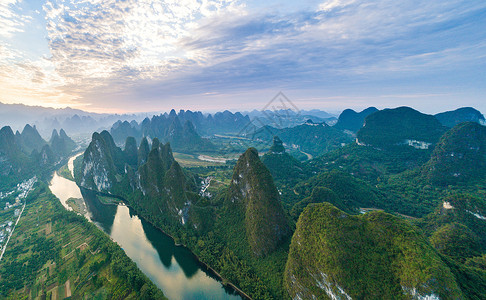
point(59, 254)
point(212, 272)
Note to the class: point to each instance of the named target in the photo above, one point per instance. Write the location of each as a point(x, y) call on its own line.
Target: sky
point(137, 55)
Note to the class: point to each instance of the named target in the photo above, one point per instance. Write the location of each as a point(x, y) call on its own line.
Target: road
point(13, 229)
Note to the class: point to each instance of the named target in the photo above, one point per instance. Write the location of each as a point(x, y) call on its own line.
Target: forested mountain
point(400, 126)
point(352, 120)
point(254, 205)
point(178, 130)
point(26, 153)
point(12, 159)
point(312, 138)
point(283, 166)
point(460, 155)
point(460, 115)
point(30, 139)
point(187, 122)
point(339, 256)
point(246, 221)
point(61, 143)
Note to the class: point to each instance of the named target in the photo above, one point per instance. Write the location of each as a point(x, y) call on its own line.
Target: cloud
point(95, 41)
point(110, 52)
point(10, 21)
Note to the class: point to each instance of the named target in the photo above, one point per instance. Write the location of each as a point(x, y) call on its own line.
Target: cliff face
point(158, 183)
point(253, 195)
point(334, 255)
point(459, 156)
point(98, 169)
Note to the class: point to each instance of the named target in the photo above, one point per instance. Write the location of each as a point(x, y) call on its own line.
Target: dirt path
point(68, 288)
point(309, 156)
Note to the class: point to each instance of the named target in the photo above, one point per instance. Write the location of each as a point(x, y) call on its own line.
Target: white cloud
point(109, 48)
point(332, 4)
point(10, 21)
point(97, 41)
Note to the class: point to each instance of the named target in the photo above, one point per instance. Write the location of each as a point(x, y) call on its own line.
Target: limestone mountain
point(282, 165)
point(460, 115)
point(131, 152)
point(462, 209)
point(312, 138)
point(161, 127)
point(11, 158)
point(143, 151)
point(98, 168)
point(352, 120)
point(163, 184)
point(185, 138)
point(340, 189)
point(30, 139)
point(61, 144)
point(154, 183)
point(460, 155)
point(254, 203)
point(334, 255)
point(45, 157)
point(400, 126)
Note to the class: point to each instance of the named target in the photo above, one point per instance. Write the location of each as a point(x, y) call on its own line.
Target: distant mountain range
point(27, 153)
point(309, 137)
point(73, 121)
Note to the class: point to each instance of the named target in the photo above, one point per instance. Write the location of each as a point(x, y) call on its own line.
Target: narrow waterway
point(173, 269)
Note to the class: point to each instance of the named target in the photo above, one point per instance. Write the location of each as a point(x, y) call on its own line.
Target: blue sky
point(133, 55)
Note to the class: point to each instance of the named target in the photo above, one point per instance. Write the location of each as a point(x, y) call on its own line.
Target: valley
point(229, 225)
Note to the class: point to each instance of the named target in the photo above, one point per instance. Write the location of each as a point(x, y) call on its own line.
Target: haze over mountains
point(381, 204)
point(73, 121)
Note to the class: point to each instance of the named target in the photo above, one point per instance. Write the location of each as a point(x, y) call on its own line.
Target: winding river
point(173, 269)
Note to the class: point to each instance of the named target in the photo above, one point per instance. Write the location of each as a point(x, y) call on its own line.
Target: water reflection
point(173, 269)
point(101, 214)
point(64, 189)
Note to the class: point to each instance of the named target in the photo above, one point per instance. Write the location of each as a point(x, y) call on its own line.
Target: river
point(172, 268)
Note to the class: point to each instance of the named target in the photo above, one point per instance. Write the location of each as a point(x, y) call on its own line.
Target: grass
point(65, 172)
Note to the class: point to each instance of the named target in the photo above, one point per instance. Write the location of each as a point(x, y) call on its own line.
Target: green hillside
point(334, 255)
point(392, 127)
point(460, 156)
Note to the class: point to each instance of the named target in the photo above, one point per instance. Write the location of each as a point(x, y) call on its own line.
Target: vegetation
point(460, 156)
point(284, 168)
point(353, 121)
point(315, 139)
point(391, 127)
point(463, 114)
point(371, 256)
point(434, 245)
point(56, 253)
point(65, 172)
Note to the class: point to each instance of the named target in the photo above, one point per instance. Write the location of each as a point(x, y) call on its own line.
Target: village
point(7, 224)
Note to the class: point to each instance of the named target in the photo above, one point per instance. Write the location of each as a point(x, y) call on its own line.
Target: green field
point(65, 172)
point(54, 254)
